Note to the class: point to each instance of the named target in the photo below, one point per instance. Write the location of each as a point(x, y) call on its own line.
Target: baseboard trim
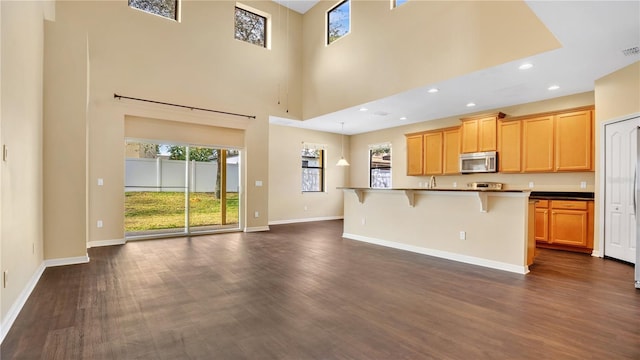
point(294, 221)
point(256, 229)
point(66, 261)
point(441, 254)
point(15, 309)
point(596, 253)
point(99, 243)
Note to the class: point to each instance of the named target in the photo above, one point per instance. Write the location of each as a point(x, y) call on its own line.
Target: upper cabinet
point(451, 152)
point(415, 152)
point(510, 146)
point(537, 144)
point(574, 141)
point(434, 152)
point(480, 133)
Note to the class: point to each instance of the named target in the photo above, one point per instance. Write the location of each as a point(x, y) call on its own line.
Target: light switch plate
point(100, 182)
point(258, 182)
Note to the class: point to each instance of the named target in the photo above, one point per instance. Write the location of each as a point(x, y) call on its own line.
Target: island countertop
point(431, 189)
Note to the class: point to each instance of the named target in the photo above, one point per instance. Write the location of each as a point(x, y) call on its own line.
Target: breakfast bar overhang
point(481, 227)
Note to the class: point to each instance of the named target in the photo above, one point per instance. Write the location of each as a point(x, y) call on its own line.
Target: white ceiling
point(592, 33)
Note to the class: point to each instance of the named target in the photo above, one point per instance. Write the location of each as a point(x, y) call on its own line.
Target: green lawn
point(165, 210)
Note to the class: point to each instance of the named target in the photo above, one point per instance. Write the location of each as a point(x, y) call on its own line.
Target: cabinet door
point(415, 151)
point(509, 146)
point(451, 151)
point(569, 227)
point(487, 128)
point(537, 144)
point(469, 136)
point(573, 134)
point(433, 153)
point(542, 225)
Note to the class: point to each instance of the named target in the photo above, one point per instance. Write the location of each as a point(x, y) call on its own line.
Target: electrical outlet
point(258, 184)
point(420, 184)
point(583, 184)
point(364, 221)
point(455, 184)
point(99, 223)
point(530, 184)
point(100, 182)
point(256, 214)
point(463, 235)
point(306, 208)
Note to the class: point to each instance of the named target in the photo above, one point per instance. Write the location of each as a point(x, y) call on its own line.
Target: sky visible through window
point(339, 20)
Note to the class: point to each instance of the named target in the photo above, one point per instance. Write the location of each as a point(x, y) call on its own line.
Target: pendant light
point(342, 161)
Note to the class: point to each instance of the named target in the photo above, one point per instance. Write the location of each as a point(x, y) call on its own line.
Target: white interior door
point(621, 157)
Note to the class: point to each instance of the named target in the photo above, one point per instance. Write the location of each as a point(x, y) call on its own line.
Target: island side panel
point(496, 239)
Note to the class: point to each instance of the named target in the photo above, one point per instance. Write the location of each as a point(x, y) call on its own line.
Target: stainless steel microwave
point(480, 162)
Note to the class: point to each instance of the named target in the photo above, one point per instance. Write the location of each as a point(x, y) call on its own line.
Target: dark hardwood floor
point(300, 291)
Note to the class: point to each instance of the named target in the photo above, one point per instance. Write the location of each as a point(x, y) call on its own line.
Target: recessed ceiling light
point(553, 87)
point(363, 109)
point(471, 104)
point(403, 118)
point(433, 90)
point(525, 66)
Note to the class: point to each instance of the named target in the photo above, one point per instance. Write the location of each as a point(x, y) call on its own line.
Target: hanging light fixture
point(342, 161)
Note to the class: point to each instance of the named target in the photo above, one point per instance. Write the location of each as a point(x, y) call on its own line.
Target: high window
point(251, 26)
point(312, 169)
point(396, 3)
point(164, 8)
point(380, 166)
point(338, 21)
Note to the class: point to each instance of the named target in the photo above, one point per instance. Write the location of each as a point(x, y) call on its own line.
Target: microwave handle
point(486, 163)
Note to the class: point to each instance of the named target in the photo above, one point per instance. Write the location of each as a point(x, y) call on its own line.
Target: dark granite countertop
point(435, 189)
point(561, 195)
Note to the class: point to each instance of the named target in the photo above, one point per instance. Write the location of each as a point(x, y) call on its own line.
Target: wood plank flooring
point(300, 291)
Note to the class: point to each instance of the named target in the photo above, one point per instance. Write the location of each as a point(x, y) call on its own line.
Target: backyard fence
point(169, 175)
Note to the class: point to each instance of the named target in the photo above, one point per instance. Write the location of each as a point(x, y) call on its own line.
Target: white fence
point(169, 175)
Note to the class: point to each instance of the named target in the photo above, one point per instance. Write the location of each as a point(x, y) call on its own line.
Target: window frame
point(321, 168)
point(176, 17)
point(328, 22)
point(267, 24)
point(373, 148)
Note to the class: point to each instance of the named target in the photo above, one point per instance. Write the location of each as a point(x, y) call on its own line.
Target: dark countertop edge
point(561, 195)
point(425, 189)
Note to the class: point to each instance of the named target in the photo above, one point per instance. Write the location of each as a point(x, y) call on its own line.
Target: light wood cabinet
point(415, 151)
point(573, 141)
point(537, 144)
point(542, 221)
point(480, 133)
point(433, 153)
point(451, 153)
point(509, 146)
point(565, 225)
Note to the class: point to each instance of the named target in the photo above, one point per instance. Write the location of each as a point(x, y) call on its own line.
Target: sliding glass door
point(180, 189)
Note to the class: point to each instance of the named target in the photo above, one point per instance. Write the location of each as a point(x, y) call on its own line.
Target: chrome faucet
point(432, 182)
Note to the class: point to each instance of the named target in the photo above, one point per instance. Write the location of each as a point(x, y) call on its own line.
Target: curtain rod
point(116, 96)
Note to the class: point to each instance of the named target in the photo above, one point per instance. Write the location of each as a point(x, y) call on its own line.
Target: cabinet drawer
point(542, 204)
point(568, 204)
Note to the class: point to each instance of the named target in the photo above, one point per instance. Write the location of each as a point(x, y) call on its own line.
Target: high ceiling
point(593, 35)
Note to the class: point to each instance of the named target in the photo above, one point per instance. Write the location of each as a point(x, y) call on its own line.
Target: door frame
point(601, 195)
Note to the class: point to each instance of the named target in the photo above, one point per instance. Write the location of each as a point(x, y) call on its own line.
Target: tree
point(250, 27)
point(195, 153)
point(166, 8)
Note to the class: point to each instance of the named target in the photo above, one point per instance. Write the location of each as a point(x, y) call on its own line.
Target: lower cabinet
point(564, 225)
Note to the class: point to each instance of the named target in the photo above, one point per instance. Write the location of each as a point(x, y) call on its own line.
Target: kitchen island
point(489, 228)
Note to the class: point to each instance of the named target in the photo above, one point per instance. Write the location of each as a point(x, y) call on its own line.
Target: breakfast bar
point(490, 228)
